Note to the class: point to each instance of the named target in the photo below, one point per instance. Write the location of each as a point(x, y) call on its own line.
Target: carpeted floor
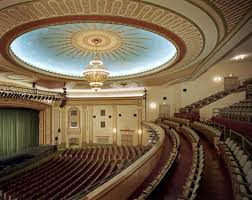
point(171, 186)
point(216, 183)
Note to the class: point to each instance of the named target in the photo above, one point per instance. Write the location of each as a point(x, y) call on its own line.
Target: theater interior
point(126, 99)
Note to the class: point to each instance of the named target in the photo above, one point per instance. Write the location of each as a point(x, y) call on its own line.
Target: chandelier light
point(96, 74)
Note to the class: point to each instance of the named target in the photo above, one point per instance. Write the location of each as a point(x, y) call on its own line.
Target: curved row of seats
point(69, 173)
point(178, 120)
point(169, 163)
point(190, 134)
point(114, 152)
point(239, 111)
point(210, 99)
point(211, 133)
point(194, 177)
point(195, 174)
point(239, 166)
point(171, 124)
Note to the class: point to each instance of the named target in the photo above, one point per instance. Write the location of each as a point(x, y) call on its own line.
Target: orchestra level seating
point(68, 173)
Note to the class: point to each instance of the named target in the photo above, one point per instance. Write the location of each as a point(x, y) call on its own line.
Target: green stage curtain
point(19, 130)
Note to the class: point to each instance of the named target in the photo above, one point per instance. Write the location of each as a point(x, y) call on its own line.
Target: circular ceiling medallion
point(67, 49)
point(85, 40)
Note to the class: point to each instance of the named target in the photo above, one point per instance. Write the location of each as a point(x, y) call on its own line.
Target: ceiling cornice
point(207, 36)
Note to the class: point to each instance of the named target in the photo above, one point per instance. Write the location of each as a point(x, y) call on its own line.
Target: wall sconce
point(139, 131)
point(217, 79)
point(114, 130)
point(153, 105)
point(239, 57)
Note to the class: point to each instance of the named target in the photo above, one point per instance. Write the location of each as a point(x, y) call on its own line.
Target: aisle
point(172, 185)
point(216, 183)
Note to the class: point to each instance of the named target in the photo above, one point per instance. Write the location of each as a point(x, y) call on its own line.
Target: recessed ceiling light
point(239, 57)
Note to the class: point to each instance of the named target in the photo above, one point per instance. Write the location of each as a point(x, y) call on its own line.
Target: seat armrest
point(243, 175)
point(187, 188)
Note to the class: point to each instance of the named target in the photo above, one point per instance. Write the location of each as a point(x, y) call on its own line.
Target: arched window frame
point(72, 118)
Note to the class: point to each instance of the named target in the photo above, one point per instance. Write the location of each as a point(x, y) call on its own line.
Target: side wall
point(195, 89)
point(207, 111)
point(122, 117)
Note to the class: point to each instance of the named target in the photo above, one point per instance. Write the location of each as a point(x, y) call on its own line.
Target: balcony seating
point(211, 133)
point(190, 115)
point(190, 134)
point(171, 124)
point(195, 175)
point(239, 111)
point(210, 99)
point(175, 139)
point(241, 127)
point(165, 169)
point(239, 167)
point(191, 111)
point(178, 120)
point(70, 172)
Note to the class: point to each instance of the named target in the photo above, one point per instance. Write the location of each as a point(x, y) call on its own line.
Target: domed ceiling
point(67, 49)
point(144, 41)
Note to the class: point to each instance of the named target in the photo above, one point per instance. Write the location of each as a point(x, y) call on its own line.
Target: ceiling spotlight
point(239, 57)
point(217, 79)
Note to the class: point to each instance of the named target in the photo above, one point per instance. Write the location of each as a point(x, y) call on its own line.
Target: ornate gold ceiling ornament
point(95, 73)
point(232, 11)
point(109, 40)
point(133, 13)
point(23, 15)
point(79, 39)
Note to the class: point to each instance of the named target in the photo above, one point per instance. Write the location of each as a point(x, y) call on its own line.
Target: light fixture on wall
point(114, 130)
point(239, 57)
point(139, 131)
point(96, 74)
point(153, 105)
point(217, 79)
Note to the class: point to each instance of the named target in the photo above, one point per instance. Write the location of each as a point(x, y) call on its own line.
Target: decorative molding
point(74, 131)
point(156, 16)
point(69, 120)
point(10, 102)
point(232, 11)
point(21, 18)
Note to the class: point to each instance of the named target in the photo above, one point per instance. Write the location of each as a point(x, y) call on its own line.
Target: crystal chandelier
point(96, 74)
